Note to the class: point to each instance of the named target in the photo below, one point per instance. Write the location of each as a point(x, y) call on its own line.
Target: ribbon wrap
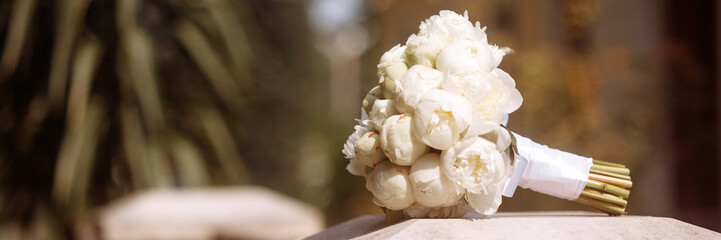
point(548, 170)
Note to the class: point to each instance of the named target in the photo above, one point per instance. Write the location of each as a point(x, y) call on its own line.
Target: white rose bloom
point(390, 186)
point(368, 149)
point(431, 187)
point(414, 83)
point(398, 142)
point(440, 118)
point(391, 68)
point(381, 110)
point(466, 55)
point(492, 95)
point(355, 166)
point(436, 32)
point(476, 165)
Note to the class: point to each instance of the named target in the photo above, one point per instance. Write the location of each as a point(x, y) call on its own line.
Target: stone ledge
point(520, 225)
point(246, 212)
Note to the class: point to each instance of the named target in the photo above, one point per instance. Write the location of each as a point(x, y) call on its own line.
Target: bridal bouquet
point(432, 142)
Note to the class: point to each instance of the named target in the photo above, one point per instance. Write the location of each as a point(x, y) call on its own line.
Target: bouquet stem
point(607, 187)
point(604, 163)
point(616, 181)
point(604, 197)
point(606, 207)
point(611, 174)
point(616, 170)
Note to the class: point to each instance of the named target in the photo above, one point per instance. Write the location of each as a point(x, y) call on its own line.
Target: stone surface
point(520, 225)
point(233, 213)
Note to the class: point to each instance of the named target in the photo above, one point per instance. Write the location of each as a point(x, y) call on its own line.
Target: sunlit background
point(103, 99)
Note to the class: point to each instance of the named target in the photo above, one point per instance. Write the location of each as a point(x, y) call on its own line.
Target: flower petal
point(440, 118)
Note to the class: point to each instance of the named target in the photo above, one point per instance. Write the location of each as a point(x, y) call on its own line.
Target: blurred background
point(101, 99)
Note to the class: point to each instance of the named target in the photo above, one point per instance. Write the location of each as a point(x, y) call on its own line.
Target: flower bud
point(431, 187)
point(382, 109)
point(368, 149)
point(391, 68)
point(398, 142)
point(373, 95)
point(414, 83)
point(394, 73)
point(397, 54)
point(349, 146)
point(396, 70)
point(440, 118)
point(390, 186)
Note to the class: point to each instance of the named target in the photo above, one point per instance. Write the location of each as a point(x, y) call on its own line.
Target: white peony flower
point(364, 126)
point(463, 55)
point(431, 187)
point(440, 118)
point(368, 149)
point(476, 165)
point(391, 68)
point(398, 142)
point(381, 110)
point(414, 83)
point(373, 95)
point(492, 95)
point(436, 32)
point(390, 186)
point(419, 211)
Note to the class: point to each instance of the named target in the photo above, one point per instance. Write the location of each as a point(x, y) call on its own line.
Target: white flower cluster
point(431, 143)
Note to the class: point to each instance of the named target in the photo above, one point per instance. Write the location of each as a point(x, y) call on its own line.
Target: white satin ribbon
point(548, 170)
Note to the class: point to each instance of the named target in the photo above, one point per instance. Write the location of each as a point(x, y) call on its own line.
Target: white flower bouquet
point(432, 141)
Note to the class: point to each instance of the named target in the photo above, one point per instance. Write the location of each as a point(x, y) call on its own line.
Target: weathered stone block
point(520, 225)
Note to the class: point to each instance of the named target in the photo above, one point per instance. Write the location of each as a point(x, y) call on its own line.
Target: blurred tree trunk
point(691, 32)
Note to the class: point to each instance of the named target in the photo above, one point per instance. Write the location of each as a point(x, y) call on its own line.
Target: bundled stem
point(607, 187)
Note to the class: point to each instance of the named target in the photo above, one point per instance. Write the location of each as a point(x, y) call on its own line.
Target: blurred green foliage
point(102, 98)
